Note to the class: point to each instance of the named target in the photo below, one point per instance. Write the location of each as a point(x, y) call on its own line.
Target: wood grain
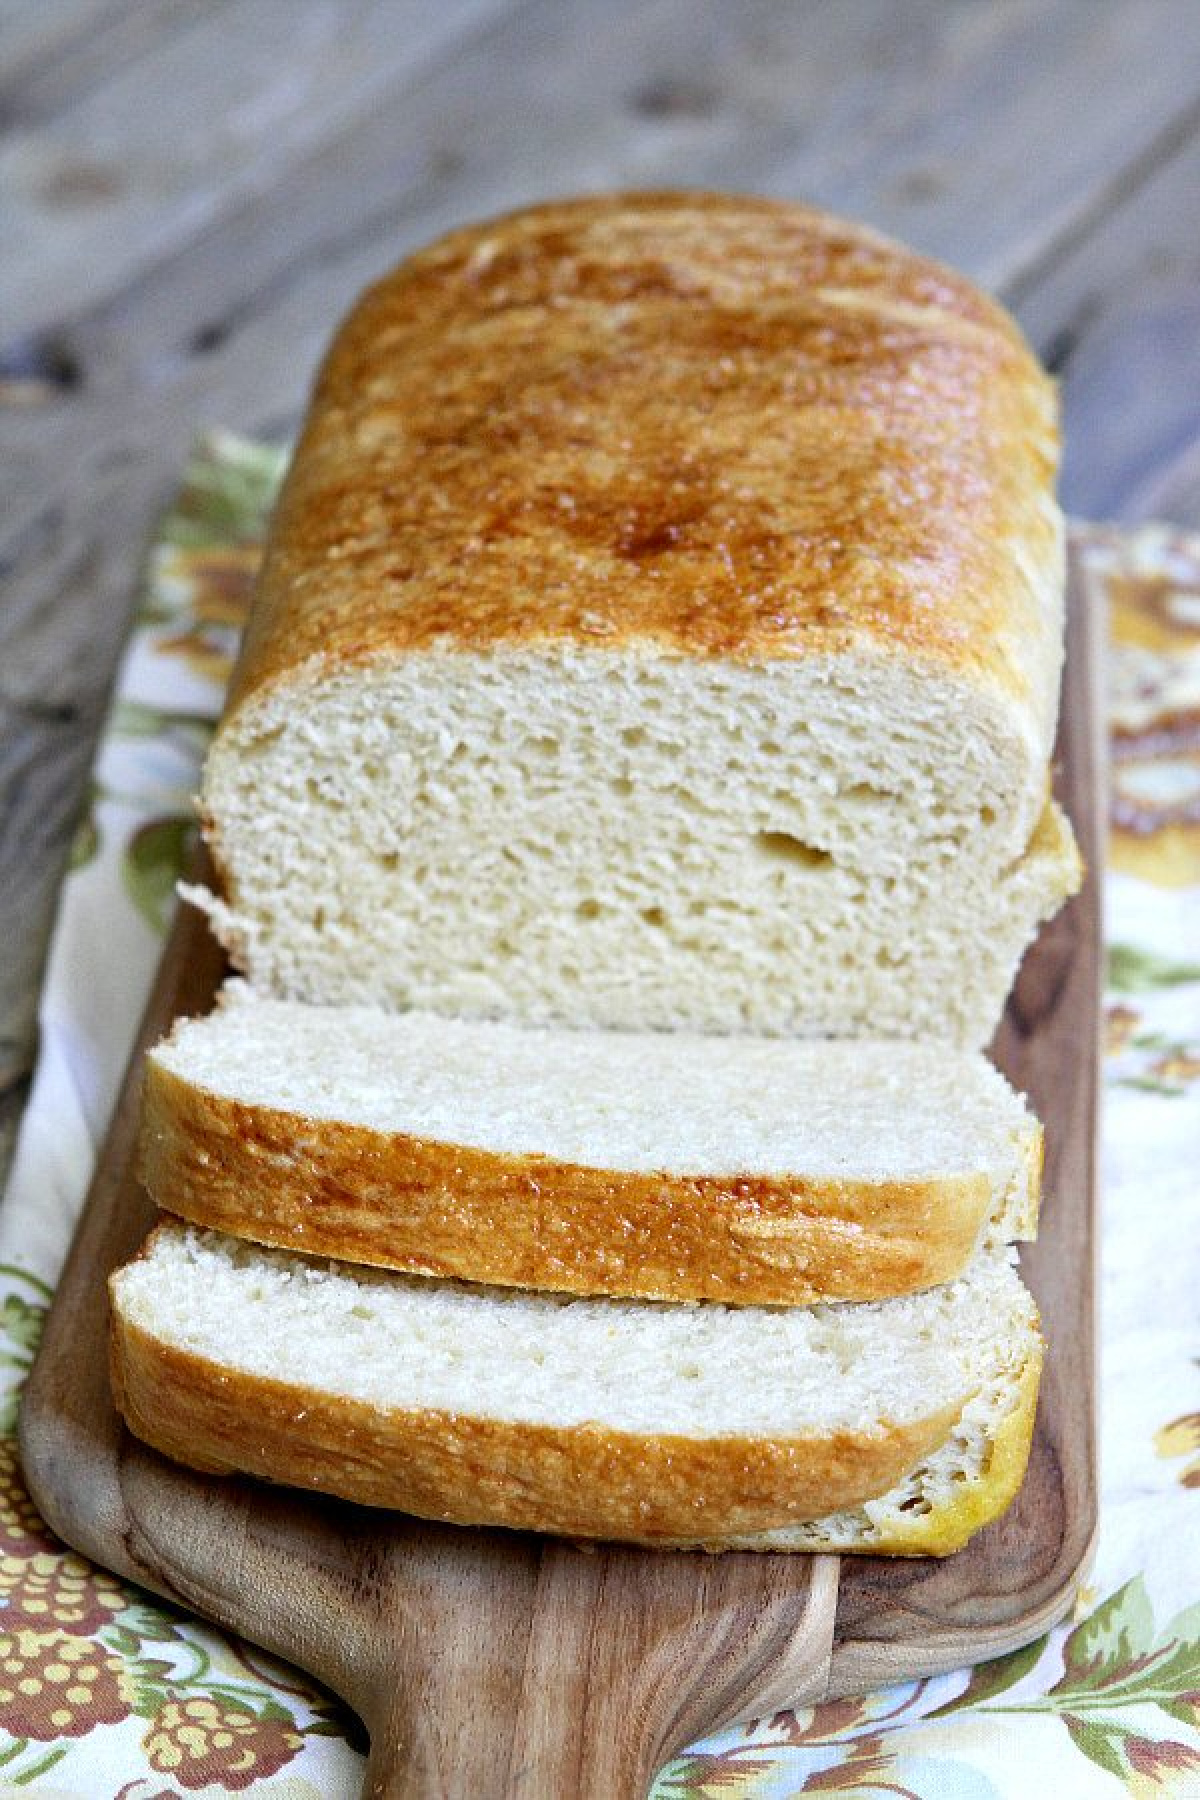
point(496, 1663)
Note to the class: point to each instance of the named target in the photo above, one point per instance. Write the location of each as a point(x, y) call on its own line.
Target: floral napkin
point(105, 1691)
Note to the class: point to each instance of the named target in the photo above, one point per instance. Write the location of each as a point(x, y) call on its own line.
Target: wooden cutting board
point(487, 1663)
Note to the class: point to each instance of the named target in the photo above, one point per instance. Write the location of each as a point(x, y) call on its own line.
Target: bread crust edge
point(391, 1200)
point(585, 1481)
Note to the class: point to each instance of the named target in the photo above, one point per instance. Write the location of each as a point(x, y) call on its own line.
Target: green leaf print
point(1099, 1744)
point(996, 1677)
point(151, 1622)
point(134, 719)
point(152, 864)
point(1130, 969)
point(228, 491)
point(21, 1323)
point(86, 841)
point(1117, 1636)
point(1150, 1084)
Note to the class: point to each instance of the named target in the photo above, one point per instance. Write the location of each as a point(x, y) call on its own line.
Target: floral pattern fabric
point(105, 1691)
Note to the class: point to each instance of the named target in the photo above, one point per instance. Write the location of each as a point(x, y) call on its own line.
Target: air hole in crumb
point(633, 735)
point(987, 815)
point(654, 915)
point(544, 746)
point(865, 790)
point(622, 786)
point(389, 859)
point(781, 846)
point(319, 919)
point(589, 909)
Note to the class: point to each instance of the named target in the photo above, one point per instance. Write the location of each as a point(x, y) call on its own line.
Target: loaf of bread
point(660, 629)
point(752, 1170)
point(907, 1421)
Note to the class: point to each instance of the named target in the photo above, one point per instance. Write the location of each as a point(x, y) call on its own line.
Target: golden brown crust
point(578, 1481)
point(399, 1202)
point(705, 424)
point(975, 1501)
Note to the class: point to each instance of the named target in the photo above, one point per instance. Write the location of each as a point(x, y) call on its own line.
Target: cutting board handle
point(405, 1762)
point(503, 1713)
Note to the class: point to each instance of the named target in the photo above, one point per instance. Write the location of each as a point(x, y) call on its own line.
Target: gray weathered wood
point(1118, 316)
point(555, 96)
point(206, 115)
point(54, 53)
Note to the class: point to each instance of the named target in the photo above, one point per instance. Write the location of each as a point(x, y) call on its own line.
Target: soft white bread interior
point(667, 1424)
point(633, 841)
point(644, 1164)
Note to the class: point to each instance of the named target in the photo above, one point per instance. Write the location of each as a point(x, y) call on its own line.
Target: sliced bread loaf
point(672, 1167)
point(661, 628)
point(656, 1424)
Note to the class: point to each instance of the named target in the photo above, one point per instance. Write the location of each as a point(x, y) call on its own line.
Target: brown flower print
point(869, 1763)
point(1179, 1065)
point(1160, 1762)
point(1120, 1026)
point(220, 579)
point(200, 1740)
point(43, 1586)
point(54, 1686)
point(220, 585)
point(1155, 720)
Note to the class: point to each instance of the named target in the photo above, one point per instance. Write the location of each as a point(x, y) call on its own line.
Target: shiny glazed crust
point(393, 1201)
point(691, 424)
point(579, 1481)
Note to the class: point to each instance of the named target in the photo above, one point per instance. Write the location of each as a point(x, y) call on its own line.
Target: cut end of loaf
point(631, 841)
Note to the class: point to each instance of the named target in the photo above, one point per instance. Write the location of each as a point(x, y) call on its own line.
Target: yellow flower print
point(1182, 1438)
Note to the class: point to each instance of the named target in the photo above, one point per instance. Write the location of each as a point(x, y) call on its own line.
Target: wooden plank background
point(191, 191)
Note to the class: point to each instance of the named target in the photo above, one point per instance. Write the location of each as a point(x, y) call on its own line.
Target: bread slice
point(669, 1167)
point(656, 1424)
point(660, 628)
